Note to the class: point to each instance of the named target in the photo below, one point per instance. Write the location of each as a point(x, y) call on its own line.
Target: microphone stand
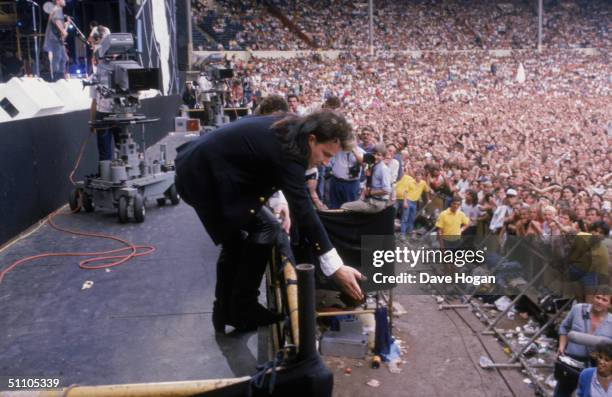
point(35, 30)
point(83, 39)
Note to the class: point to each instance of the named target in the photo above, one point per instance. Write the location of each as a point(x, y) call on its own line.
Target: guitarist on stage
point(55, 34)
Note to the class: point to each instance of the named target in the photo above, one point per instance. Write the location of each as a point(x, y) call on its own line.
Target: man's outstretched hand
point(348, 279)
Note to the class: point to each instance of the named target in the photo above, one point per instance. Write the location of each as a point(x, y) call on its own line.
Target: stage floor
point(147, 320)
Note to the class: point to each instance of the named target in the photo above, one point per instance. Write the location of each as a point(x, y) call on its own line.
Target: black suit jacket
point(228, 174)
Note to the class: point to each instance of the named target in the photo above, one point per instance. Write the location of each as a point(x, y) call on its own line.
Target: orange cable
point(97, 256)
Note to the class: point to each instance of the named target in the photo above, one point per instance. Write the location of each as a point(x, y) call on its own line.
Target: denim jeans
point(408, 218)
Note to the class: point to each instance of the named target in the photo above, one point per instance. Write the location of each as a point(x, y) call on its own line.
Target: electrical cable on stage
point(100, 256)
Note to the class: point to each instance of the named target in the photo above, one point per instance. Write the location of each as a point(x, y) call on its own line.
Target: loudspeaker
point(72, 94)
point(30, 97)
point(8, 109)
point(3, 115)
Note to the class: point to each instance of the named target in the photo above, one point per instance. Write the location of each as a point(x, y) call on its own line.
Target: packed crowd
point(412, 25)
point(517, 146)
point(240, 25)
point(531, 132)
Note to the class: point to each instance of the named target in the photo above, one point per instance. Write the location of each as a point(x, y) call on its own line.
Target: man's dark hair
point(326, 125)
point(93, 24)
point(333, 102)
point(570, 188)
point(604, 348)
point(473, 196)
point(601, 226)
point(595, 210)
point(292, 96)
point(272, 104)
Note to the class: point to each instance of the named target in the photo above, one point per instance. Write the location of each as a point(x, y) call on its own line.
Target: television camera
point(128, 181)
point(214, 90)
point(119, 76)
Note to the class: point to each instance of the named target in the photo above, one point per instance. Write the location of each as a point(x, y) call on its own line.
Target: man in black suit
point(228, 175)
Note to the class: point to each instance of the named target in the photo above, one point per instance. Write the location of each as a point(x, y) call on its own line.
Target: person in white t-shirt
point(101, 108)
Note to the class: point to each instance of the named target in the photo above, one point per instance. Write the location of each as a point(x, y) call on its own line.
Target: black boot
point(255, 316)
point(219, 318)
point(245, 312)
point(226, 265)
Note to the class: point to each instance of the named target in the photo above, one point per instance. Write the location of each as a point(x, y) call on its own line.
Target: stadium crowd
point(406, 25)
point(531, 132)
point(520, 144)
point(524, 141)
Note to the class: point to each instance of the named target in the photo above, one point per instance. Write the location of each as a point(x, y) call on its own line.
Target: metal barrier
point(517, 359)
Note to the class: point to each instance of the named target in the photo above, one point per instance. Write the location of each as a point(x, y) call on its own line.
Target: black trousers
point(242, 263)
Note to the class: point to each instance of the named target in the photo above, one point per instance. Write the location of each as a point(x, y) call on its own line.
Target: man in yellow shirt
point(451, 223)
point(589, 259)
point(409, 191)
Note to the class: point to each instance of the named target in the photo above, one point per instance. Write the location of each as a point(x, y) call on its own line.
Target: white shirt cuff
point(281, 198)
point(330, 262)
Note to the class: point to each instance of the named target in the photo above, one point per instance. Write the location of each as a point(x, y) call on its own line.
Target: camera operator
point(96, 34)
point(375, 196)
point(344, 183)
point(190, 95)
point(588, 318)
point(101, 108)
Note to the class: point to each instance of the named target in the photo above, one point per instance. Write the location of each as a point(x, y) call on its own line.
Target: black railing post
point(306, 311)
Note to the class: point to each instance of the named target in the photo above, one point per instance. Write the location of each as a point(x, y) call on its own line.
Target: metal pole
point(306, 311)
point(122, 22)
point(371, 25)
point(345, 312)
point(540, 17)
point(189, 34)
point(36, 50)
point(144, 148)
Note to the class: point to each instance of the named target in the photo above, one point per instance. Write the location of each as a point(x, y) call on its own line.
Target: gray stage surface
point(147, 320)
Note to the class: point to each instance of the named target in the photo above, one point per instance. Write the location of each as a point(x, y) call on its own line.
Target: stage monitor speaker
point(72, 93)
point(3, 115)
point(8, 108)
point(31, 97)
